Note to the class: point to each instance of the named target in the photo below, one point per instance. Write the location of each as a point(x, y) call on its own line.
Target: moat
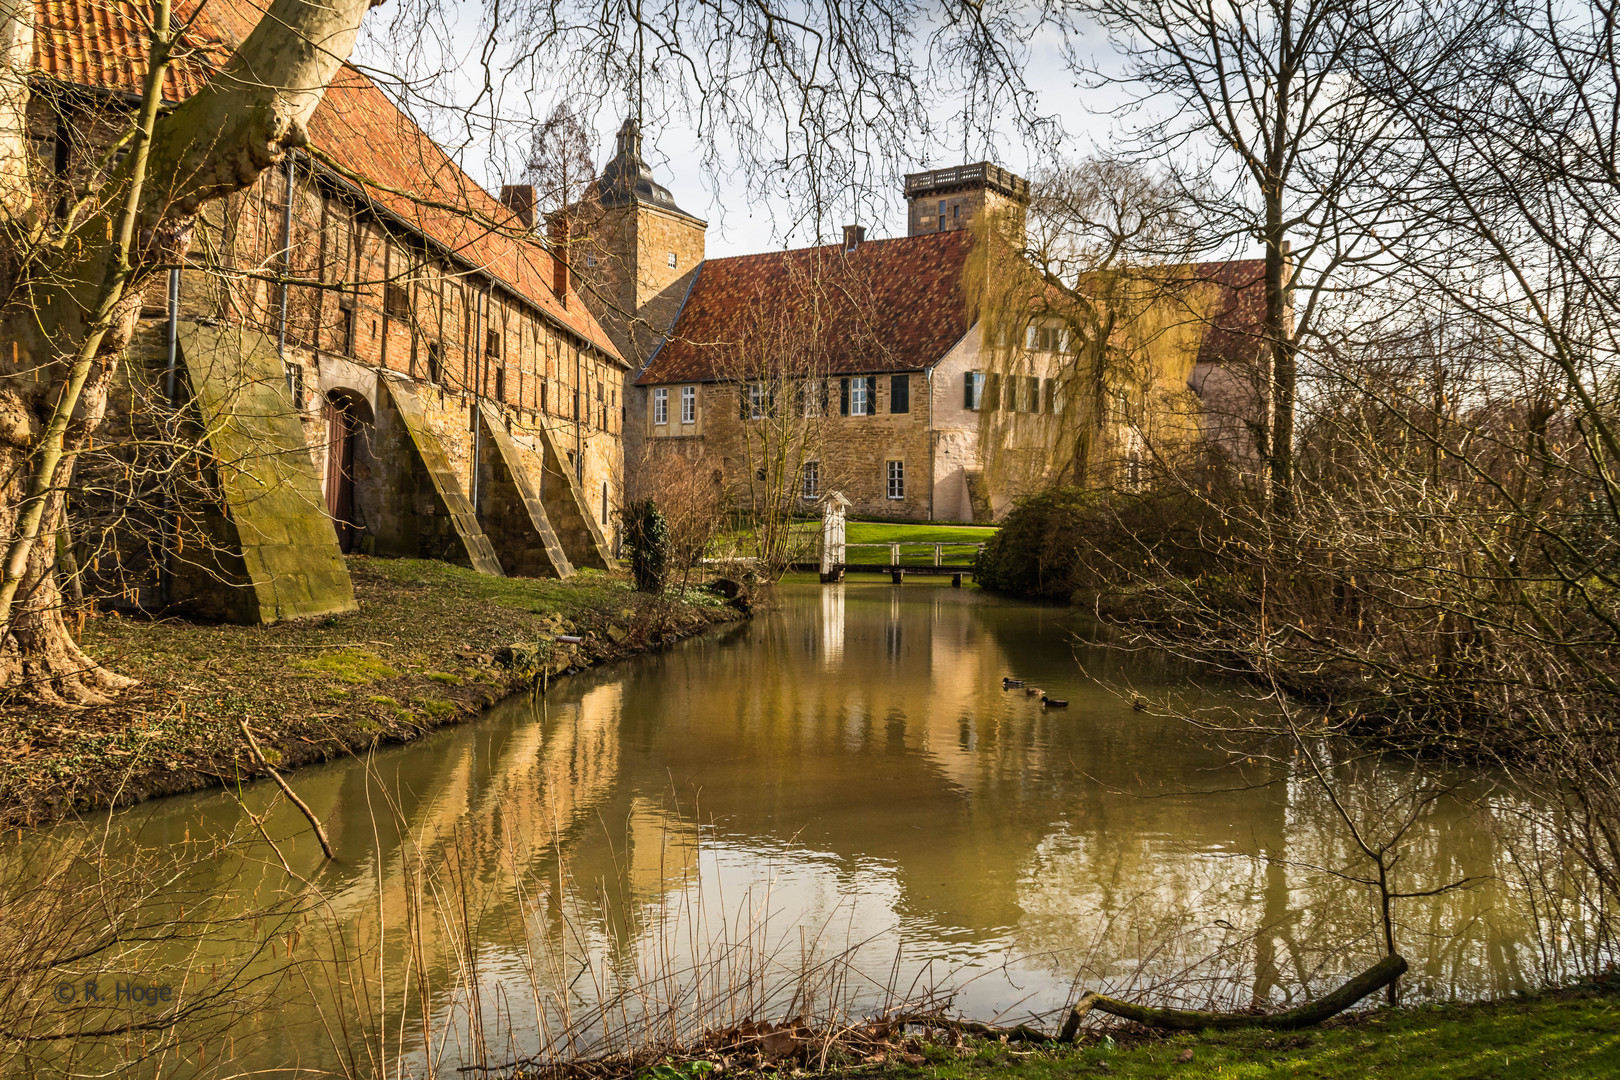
point(843, 776)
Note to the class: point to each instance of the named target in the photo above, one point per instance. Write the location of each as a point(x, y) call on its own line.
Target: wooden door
point(340, 471)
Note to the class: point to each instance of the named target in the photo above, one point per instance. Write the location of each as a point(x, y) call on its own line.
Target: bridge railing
point(912, 554)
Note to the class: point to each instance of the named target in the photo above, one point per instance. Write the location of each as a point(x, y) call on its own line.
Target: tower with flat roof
point(941, 200)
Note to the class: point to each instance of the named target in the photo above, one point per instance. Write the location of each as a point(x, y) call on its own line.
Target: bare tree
point(777, 369)
point(688, 488)
point(559, 162)
point(72, 285)
point(1264, 88)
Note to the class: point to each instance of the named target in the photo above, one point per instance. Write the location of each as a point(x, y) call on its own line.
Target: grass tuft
point(348, 665)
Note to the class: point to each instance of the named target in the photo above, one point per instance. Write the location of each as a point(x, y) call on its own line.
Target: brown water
point(845, 776)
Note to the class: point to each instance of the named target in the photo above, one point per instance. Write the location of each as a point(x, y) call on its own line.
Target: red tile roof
point(99, 43)
point(102, 43)
point(889, 305)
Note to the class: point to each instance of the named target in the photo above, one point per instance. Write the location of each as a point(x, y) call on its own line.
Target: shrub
point(1071, 540)
point(647, 536)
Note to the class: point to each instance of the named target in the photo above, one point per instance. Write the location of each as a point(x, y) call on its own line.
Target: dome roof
point(626, 179)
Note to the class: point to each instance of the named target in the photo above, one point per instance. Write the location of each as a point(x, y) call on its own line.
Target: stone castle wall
point(852, 453)
point(386, 303)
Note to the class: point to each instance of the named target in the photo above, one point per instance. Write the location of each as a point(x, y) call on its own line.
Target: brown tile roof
point(1237, 319)
point(98, 43)
point(889, 305)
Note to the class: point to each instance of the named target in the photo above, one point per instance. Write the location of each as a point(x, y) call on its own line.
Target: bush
point(1037, 549)
point(1070, 540)
point(647, 535)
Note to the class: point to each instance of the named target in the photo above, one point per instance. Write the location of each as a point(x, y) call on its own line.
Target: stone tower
point(637, 251)
point(941, 200)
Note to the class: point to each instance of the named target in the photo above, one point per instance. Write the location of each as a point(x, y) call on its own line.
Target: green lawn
point(1565, 1036)
point(917, 541)
point(873, 532)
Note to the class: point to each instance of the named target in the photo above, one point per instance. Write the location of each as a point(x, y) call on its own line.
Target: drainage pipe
point(171, 392)
point(286, 271)
point(479, 336)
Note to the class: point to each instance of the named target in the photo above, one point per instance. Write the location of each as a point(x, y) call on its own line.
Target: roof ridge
point(838, 246)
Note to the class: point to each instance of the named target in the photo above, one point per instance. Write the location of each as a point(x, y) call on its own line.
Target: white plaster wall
point(955, 430)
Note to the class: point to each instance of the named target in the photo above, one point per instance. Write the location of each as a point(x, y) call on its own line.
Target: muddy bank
point(432, 644)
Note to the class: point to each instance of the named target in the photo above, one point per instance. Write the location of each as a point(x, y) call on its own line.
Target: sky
point(450, 63)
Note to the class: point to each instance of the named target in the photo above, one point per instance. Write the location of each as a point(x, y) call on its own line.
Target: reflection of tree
point(902, 792)
point(1170, 893)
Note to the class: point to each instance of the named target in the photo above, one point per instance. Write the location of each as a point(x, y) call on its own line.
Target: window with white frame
point(812, 480)
point(859, 401)
point(897, 479)
point(672, 260)
point(661, 405)
point(688, 404)
point(755, 401)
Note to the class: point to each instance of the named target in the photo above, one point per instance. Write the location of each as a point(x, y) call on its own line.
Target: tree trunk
point(1382, 974)
point(80, 292)
point(39, 659)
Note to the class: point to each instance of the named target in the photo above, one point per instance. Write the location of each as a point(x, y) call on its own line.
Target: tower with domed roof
point(638, 250)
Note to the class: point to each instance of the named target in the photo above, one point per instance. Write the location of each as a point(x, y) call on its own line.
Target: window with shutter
point(973, 391)
point(900, 393)
point(843, 397)
point(860, 389)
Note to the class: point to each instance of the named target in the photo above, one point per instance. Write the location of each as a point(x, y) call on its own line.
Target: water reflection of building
point(858, 744)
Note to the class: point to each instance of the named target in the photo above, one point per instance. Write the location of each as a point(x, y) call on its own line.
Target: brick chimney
point(519, 198)
point(853, 235)
point(557, 229)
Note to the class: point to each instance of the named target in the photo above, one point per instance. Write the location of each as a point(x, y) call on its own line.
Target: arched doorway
point(348, 422)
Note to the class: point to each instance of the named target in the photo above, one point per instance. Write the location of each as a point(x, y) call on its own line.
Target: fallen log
point(1368, 982)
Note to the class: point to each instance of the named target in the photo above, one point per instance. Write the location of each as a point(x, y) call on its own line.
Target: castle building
point(375, 356)
point(870, 348)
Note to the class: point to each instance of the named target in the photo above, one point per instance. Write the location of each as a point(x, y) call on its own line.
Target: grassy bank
point(916, 541)
point(1568, 1035)
point(430, 645)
